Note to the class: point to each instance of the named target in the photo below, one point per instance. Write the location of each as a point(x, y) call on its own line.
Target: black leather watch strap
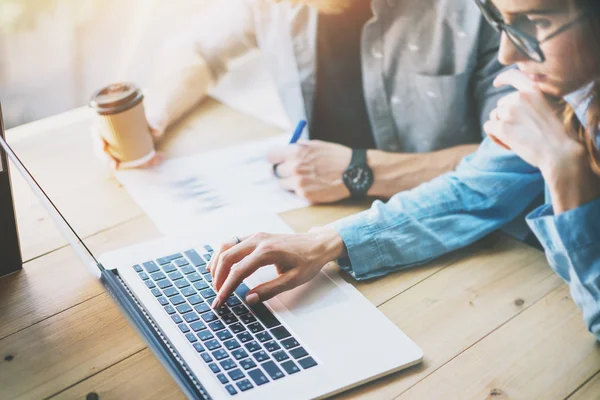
point(359, 157)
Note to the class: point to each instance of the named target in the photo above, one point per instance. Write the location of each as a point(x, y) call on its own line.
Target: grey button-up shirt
point(428, 65)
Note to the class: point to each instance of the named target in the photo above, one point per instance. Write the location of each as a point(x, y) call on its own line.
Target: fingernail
point(215, 303)
point(252, 299)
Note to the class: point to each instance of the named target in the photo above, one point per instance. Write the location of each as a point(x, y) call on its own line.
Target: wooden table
point(493, 320)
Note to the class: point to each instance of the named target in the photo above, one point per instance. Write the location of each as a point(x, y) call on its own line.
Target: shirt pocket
point(441, 109)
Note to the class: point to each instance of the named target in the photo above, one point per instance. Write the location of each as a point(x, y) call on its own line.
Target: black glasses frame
point(524, 42)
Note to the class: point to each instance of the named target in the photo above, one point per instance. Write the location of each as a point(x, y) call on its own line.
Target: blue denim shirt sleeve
point(574, 253)
point(487, 190)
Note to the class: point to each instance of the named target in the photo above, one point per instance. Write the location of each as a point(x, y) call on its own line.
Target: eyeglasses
point(524, 42)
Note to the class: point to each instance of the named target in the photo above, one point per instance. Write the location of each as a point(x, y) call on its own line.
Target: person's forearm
point(396, 172)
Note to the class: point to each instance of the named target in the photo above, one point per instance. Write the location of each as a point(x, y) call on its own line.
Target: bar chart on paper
point(185, 195)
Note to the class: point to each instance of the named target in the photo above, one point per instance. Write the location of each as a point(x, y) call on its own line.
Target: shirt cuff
point(568, 231)
point(361, 246)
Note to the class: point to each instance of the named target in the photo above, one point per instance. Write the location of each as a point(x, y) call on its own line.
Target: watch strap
point(359, 157)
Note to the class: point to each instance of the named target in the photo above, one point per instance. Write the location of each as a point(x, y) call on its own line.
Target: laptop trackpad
point(314, 295)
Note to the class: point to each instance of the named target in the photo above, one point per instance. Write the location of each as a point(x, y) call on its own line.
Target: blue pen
point(298, 131)
point(293, 140)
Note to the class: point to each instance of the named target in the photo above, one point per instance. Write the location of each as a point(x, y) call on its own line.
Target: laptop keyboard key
point(224, 335)
point(157, 276)
point(170, 310)
point(201, 285)
point(231, 344)
point(205, 335)
point(237, 328)
point(144, 276)
point(265, 315)
point(183, 308)
point(255, 327)
point(150, 284)
point(231, 390)
point(248, 318)
point(244, 385)
point(280, 356)
point(195, 299)
point(156, 292)
point(163, 301)
point(290, 367)
point(207, 293)
point(199, 348)
point(197, 326)
point(289, 343)
point(273, 370)
point(181, 283)
point(209, 316)
point(236, 374)
point(188, 269)
point(188, 291)
point(208, 248)
point(175, 275)
point(229, 319)
point(239, 354)
point(219, 354)
point(180, 262)
point(191, 317)
point(195, 277)
point(228, 364)
point(223, 310)
point(168, 268)
point(170, 292)
point(245, 337)
point(208, 277)
point(216, 326)
point(307, 363)
point(214, 368)
point(177, 300)
point(206, 357)
point(280, 332)
point(150, 267)
point(137, 268)
point(194, 257)
point(165, 283)
point(233, 301)
point(298, 352)
point(272, 346)
point(212, 344)
point(191, 337)
point(260, 356)
point(222, 378)
point(177, 319)
point(263, 337)
point(202, 308)
point(242, 290)
point(258, 377)
point(183, 328)
point(240, 310)
point(252, 346)
point(247, 364)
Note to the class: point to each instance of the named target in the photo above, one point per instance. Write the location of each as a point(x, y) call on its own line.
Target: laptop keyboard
point(243, 346)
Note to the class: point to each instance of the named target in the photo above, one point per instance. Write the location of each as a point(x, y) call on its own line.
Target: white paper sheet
point(211, 191)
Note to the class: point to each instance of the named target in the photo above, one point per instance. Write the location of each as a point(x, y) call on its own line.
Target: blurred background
point(55, 53)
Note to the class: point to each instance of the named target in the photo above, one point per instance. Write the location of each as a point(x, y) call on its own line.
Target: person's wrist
point(330, 244)
point(570, 179)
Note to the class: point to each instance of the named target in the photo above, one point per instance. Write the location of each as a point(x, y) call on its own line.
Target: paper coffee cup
point(123, 124)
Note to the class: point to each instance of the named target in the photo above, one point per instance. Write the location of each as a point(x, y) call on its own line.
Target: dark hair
point(588, 135)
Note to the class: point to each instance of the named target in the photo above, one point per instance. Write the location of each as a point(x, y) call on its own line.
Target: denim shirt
point(488, 189)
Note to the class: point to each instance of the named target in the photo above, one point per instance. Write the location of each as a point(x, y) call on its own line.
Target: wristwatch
point(358, 177)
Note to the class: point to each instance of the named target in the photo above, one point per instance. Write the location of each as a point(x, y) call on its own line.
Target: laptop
point(312, 342)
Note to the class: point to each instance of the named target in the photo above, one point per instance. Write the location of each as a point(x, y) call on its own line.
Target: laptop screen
point(10, 252)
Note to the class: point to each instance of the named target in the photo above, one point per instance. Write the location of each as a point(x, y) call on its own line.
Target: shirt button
point(395, 100)
point(376, 52)
point(432, 94)
point(413, 47)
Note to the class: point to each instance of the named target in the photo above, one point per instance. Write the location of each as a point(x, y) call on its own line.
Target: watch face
point(358, 179)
